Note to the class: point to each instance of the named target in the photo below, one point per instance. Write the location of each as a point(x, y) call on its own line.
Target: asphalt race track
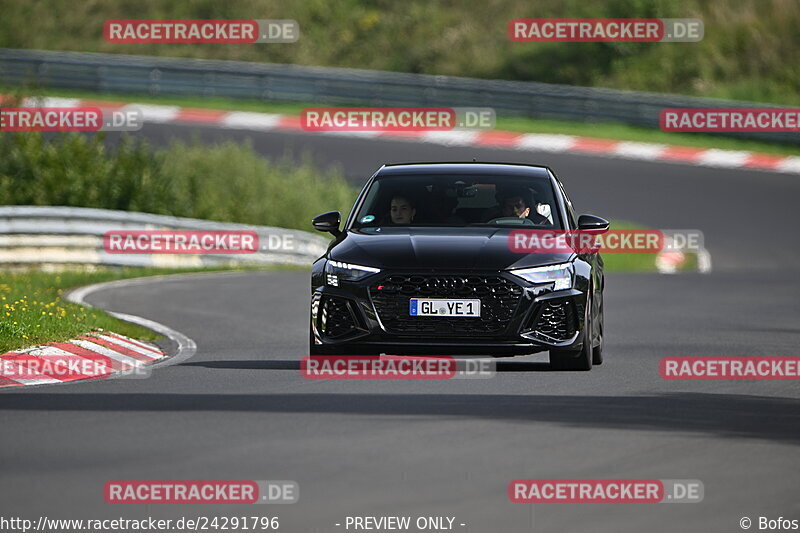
point(239, 409)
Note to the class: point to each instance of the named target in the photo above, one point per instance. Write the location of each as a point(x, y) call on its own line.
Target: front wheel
point(597, 351)
point(577, 359)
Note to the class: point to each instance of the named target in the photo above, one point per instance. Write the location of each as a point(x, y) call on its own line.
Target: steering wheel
point(512, 221)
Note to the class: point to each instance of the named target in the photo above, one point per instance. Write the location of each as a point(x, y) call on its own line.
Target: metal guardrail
point(74, 235)
point(116, 73)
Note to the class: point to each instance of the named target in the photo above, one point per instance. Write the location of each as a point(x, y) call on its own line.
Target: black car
point(423, 266)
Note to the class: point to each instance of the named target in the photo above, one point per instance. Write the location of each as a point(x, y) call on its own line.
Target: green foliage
point(32, 310)
point(748, 51)
point(228, 182)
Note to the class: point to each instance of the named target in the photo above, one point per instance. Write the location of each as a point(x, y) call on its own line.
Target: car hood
point(437, 248)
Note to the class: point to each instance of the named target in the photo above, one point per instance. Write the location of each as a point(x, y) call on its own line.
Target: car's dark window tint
point(459, 201)
point(570, 209)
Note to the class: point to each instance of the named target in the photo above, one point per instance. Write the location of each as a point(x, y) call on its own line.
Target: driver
point(513, 203)
point(514, 206)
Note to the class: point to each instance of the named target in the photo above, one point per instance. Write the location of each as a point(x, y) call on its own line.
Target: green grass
point(33, 310)
point(628, 262)
point(639, 262)
point(748, 50)
point(602, 130)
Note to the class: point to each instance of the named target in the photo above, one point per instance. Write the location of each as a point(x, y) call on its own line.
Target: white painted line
point(141, 344)
point(636, 150)
point(43, 381)
point(23, 369)
point(361, 134)
point(155, 113)
point(44, 351)
point(132, 347)
point(723, 158)
point(57, 355)
point(450, 138)
point(51, 101)
point(186, 346)
point(790, 164)
point(250, 121)
point(102, 350)
point(49, 351)
point(547, 142)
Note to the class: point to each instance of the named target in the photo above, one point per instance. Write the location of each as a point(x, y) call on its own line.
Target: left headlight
point(560, 275)
point(336, 271)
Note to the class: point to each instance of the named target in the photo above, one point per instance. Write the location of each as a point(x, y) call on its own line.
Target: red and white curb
point(671, 262)
point(108, 354)
point(122, 355)
point(708, 157)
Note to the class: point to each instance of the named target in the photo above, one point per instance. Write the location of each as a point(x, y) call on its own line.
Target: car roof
point(495, 169)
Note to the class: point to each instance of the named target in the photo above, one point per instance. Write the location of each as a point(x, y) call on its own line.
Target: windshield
point(458, 201)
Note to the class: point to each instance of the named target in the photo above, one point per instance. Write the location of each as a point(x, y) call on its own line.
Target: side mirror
point(591, 222)
point(328, 222)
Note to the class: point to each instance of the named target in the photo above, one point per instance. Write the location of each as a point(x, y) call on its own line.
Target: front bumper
point(371, 316)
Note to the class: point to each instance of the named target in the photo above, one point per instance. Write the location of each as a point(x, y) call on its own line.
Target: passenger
point(402, 211)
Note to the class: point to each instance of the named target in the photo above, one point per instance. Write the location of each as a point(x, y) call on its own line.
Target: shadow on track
point(293, 364)
point(725, 415)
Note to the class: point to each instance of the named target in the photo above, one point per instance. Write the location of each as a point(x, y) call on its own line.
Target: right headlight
point(561, 275)
point(336, 270)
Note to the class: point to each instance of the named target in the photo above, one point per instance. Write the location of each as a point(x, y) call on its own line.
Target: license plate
point(443, 307)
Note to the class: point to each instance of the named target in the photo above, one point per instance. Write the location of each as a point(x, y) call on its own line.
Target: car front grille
point(499, 300)
point(556, 320)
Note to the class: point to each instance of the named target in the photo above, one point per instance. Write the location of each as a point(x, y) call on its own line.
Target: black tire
point(582, 359)
point(597, 351)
